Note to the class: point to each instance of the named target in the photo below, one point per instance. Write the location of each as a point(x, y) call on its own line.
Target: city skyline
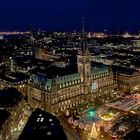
point(69, 70)
point(63, 15)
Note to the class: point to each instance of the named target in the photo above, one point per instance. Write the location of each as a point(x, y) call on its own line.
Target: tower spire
point(83, 38)
point(83, 25)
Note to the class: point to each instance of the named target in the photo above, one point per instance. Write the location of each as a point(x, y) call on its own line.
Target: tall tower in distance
point(83, 61)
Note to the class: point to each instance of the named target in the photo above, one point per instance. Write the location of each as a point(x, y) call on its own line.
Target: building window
point(67, 84)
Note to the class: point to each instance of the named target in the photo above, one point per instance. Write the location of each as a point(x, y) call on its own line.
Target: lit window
point(38, 119)
point(42, 119)
point(40, 115)
point(50, 120)
point(49, 133)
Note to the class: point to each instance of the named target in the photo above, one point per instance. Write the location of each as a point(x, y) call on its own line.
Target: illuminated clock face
point(94, 86)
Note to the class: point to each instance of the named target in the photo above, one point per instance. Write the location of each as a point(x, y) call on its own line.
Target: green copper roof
point(99, 70)
point(40, 81)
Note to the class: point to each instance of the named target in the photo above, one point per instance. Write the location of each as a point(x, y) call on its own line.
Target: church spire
point(83, 38)
point(83, 25)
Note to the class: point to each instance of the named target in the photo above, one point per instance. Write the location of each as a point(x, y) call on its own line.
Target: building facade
point(55, 94)
point(15, 80)
point(127, 79)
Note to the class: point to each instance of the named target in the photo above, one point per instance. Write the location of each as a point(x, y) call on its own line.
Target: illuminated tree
point(93, 133)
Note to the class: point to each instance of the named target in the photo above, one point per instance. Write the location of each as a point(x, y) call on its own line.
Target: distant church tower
point(83, 62)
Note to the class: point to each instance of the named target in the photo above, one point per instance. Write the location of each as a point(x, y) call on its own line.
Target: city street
point(17, 130)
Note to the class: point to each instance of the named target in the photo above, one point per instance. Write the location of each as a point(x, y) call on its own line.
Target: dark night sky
point(67, 14)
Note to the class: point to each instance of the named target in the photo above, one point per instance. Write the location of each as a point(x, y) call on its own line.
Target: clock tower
point(83, 62)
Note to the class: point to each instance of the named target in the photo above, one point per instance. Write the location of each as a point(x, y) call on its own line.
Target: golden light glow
point(107, 117)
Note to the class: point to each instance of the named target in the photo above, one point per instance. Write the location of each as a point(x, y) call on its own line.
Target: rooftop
point(123, 70)
point(42, 126)
point(14, 77)
point(54, 71)
point(9, 97)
